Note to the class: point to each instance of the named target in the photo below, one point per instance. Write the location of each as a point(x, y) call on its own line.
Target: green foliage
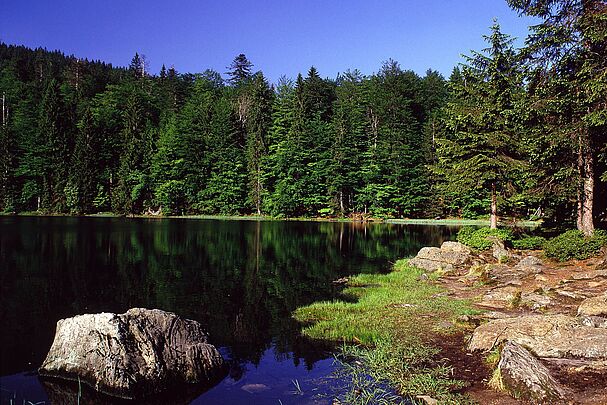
point(171, 197)
point(479, 238)
point(83, 136)
point(529, 243)
point(477, 155)
point(574, 244)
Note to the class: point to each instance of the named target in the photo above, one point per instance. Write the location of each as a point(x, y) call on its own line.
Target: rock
point(529, 261)
point(589, 275)
point(477, 273)
point(494, 315)
point(450, 254)
point(595, 284)
point(539, 277)
point(428, 400)
point(529, 265)
point(535, 301)
point(594, 321)
point(464, 318)
point(570, 294)
point(603, 264)
point(579, 366)
point(595, 306)
point(502, 297)
point(524, 376)
point(499, 250)
point(545, 335)
point(130, 355)
point(455, 247)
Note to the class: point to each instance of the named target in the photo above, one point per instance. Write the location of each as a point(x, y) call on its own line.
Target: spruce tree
point(478, 154)
point(567, 51)
point(240, 70)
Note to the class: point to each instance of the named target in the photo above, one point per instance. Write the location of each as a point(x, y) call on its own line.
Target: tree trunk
point(585, 217)
point(493, 217)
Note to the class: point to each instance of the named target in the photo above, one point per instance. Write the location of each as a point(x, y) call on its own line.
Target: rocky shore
point(543, 323)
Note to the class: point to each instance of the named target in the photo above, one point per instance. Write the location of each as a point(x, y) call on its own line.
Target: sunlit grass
point(393, 305)
point(386, 329)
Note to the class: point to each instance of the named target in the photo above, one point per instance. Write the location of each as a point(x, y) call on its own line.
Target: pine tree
point(257, 129)
point(240, 70)
point(568, 51)
point(348, 135)
point(50, 151)
point(133, 182)
point(479, 150)
point(84, 166)
point(8, 162)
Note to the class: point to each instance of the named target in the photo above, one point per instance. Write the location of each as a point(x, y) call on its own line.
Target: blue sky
point(280, 37)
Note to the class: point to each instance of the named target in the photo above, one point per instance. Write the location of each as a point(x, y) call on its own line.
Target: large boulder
point(557, 336)
point(130, 355)
point(595, 306)
point(450, 254)
point(524, 376)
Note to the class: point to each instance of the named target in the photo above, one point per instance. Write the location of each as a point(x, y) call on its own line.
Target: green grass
point(386, 331)
point(457, 222)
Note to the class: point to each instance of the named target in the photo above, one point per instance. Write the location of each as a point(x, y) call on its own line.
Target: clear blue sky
point(278, 36)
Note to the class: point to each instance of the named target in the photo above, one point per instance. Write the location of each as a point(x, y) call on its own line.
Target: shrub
point(529, 243)
point(477, 238)
point(574, 245)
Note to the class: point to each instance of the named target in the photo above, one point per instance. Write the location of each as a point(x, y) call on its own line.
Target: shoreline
point(396, 221)
point(417, 331)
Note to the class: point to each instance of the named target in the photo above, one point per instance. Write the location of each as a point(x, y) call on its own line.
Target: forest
point(517, 133)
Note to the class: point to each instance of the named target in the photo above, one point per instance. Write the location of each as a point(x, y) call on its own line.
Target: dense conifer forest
point(512, 132)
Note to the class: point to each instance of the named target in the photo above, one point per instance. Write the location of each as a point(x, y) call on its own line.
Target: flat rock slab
point(524, 376)
point(501, 297)
point(130, 355)
point(557, 336)
point(595, 306)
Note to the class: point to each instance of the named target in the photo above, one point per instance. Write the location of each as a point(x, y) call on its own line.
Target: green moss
point(386, 329)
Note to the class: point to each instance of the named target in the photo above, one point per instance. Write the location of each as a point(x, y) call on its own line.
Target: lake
point(241, 279)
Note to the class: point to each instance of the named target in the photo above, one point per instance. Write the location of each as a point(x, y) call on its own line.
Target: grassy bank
point(387, 323)
point(458, 222)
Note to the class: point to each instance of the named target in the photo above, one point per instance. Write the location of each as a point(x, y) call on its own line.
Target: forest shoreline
point(400, 221)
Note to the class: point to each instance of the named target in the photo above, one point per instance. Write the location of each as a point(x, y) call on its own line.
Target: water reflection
point(241, 279)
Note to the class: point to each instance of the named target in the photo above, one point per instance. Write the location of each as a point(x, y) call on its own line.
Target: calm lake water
point(241, 279)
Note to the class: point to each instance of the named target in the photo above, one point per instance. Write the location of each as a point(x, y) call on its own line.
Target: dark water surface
point(241, 279)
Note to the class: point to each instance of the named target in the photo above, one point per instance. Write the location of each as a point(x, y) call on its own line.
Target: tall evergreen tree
point(49, 151)
point(479, 152)
point(568, 52)
point(257, 128)
point(240, 70)
point(84, 166)
point(348, 135)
